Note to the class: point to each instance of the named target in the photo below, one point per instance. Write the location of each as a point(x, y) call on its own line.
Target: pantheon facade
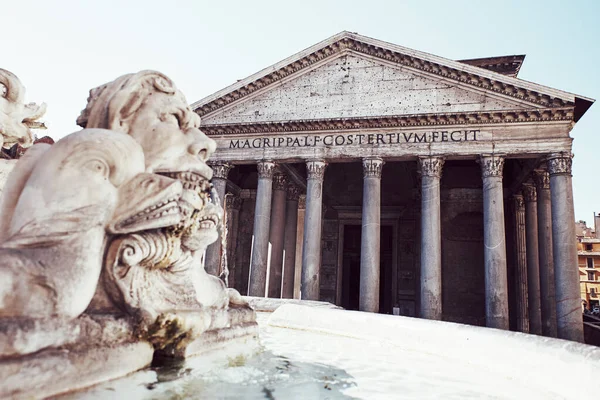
point(389, 180)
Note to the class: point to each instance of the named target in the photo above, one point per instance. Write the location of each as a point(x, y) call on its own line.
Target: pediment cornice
point(537, 95)
point(422, 120)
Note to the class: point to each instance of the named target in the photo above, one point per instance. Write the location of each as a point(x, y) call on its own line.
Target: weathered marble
point(431, 238)
point(496, 284)
point(521, 265)
point(547, 291)
point(371, 231)
point(564, 249)
point(16, 117)
point(262, 220)
point(533, 260)
point(311, 247)
point(212, 262)
point(289, 242)
point(6, 166)
point(276, 234)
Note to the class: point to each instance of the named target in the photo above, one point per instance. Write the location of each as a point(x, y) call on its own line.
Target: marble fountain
point(103, 291)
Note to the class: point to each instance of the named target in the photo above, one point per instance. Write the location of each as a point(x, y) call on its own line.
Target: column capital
point(491, 165)
point(293, 192)
point(280, 181)
point(431, 166)
point(220, 169)
point(232, 202)
point(372, 167)
point(559, 163)
point(265, 169)
point(519, 202)
point(316, 169)
point(302, 202)
point(541, 177)
point(529, 192)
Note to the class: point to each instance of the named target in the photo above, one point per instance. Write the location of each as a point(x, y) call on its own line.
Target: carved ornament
point(529, 192)
point(372, 167)
point(232, 202)
point(265, 169)
point(491, 166)
point(541, 179)
point(400, 121)
point(220, 170)
point(560, 164)
point(293, 192)
point(431, 166)
point(302, 202)
point(315, 169)
point(519, 202)
point(280, 182)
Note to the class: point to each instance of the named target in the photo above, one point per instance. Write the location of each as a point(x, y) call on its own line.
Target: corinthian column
point(521, 265)
point(496, 290)
point(212, 263)
point(370, 242)
point(568, 301)
point(232, 208)
point(431, 238)
point(262, 219)
point(533, 260)
point(289, 241)
point(547, 292)
point(276, 234)
point(311, 248)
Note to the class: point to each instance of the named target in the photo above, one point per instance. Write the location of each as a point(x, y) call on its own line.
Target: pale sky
point(61, 49)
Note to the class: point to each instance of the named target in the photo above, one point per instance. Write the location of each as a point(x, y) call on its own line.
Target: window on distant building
point(593, 292)
point(590, 262)
point(590, 275)
point(589, 247)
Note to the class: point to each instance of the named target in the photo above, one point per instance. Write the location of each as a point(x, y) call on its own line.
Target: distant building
point(588, 254)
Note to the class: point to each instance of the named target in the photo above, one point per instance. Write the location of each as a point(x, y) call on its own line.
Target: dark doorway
point(351, 268)
point(386, 264)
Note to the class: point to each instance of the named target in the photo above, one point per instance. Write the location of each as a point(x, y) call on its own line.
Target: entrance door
point(351, 268)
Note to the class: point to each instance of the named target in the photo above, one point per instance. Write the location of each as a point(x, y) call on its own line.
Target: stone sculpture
point(16, 117)
point(102, 239)
point(51, 255)
point(158, 275)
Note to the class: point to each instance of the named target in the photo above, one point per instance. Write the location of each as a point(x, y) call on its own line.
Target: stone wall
point(463, 288)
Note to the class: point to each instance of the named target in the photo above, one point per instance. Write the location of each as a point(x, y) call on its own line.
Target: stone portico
point(385, 179)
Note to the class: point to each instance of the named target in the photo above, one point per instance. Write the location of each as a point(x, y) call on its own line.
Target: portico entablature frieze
point(400, 121)
point(458, 142)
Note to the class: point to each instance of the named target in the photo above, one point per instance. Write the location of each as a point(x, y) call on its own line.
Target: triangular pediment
point(350, 76)
point(354, 86)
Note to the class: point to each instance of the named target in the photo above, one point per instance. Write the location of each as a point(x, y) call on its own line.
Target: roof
point(505, 65)
point(493, 73)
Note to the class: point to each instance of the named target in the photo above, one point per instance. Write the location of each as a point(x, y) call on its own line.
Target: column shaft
point(232, 208)
point(276, 234)
point(311, 248)
point(568, 302)
point(212, 263)
point(496, 285)
point(521, 265)
point(533, 260)
point(370, 239)
point(289, 243)
point(431, 238)
point(262, 219)
point(547, 292)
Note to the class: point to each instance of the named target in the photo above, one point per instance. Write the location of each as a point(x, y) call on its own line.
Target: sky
point(61, 49)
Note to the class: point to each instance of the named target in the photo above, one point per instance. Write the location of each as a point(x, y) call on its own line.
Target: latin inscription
point(360, 139)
